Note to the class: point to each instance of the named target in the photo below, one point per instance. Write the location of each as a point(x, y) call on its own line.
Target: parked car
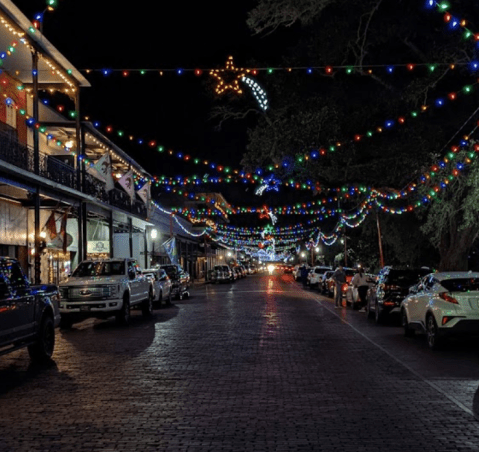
point(222, 273)
point(251, 269)
point(331, 285)
point(297, 272)
point(180, 280)
point(244, 271)
point(324, 285)
point(315, 275)
point(352, 296)
point(392, 286)
point(28, 314)
point(162, 285)
point(442, 305)
point(103, 288)
point(238, 273)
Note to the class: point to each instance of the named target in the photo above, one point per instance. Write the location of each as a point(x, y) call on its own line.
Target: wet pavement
point(258, 365)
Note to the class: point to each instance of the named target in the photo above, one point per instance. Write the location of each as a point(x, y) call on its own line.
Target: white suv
point(315, 275)
point(442, 304)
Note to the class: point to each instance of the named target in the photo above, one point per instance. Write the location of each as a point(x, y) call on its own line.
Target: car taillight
point(447, 297)
point(344, 287)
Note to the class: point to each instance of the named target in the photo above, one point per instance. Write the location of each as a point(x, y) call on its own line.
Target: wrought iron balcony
point(53, 169)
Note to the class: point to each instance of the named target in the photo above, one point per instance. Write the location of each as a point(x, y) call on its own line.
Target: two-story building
point(66, 191)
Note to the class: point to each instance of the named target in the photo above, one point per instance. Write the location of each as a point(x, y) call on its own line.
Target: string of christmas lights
point(330, 70)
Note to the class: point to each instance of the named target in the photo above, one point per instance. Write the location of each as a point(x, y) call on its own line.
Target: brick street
point(258, 365)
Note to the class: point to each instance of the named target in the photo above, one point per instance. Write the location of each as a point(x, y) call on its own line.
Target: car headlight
point(63, 292)
point(110, 291)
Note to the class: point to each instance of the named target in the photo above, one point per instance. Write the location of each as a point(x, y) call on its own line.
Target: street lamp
point(153, 235)
point(317, 249)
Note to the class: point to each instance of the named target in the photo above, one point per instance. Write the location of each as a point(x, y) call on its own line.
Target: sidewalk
point(199, 282)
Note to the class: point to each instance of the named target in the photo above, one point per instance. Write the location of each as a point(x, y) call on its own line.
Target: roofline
point(42, 43)
point(91, 129)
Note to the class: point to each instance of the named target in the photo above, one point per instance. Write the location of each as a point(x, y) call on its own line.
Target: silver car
point(162, 285)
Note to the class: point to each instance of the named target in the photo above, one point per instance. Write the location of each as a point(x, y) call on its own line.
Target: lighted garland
point(300, 158)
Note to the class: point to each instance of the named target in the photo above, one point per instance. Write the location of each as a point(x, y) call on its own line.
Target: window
point(461, 284)
point(11, 271)
point(11, 116)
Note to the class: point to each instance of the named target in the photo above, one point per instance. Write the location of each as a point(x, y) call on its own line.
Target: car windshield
point(99, 269)
point(404, 278)
point(461, 284)
point(170, 270)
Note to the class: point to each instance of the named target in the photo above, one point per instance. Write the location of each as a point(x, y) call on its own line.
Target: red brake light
point(447, 297)
point(344, 287)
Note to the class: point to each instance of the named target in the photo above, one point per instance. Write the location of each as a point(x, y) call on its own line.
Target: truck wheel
point(147, 305)
point(42, 349)
point(123, 315)
point(66, 322)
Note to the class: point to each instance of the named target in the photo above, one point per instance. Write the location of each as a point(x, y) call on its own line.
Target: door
point(7, 322)
point(23, 300)
point(419, 302)
point(134, 283)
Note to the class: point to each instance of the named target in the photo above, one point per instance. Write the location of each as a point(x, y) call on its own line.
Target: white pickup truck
point(103, 288)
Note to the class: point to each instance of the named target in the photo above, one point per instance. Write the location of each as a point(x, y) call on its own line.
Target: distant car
point(222, 273)
point(392, 286)
point(162, 285)
point(288, 268)
point(315, 275)
point(180, 280)
point(251, 269)
point(297, 272)
point(442, 305)
point(238, 272)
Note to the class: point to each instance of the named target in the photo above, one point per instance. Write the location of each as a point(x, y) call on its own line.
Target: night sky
point(173, 110)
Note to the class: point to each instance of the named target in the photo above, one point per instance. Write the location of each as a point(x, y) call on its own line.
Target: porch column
point(36, 170)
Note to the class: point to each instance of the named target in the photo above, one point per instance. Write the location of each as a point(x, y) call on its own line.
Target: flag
point(170, 247)
point(144, 193)
point(102, 170)
point(51, 226)
point(126, 181)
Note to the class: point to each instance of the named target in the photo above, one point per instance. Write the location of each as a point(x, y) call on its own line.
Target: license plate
point(84, 308)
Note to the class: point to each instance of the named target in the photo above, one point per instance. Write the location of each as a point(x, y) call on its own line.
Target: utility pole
point(345, 251)
point(381, 254)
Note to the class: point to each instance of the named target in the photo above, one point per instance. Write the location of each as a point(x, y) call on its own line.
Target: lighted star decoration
point(230, 72)
point(269, 184)
point(264, 213)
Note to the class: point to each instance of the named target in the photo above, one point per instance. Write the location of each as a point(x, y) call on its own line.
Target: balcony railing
point(52, 168)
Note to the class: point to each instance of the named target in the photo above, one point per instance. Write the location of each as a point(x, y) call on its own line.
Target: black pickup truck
point(28, 314)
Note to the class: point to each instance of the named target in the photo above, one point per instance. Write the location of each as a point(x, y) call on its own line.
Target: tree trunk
point(454, 250)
